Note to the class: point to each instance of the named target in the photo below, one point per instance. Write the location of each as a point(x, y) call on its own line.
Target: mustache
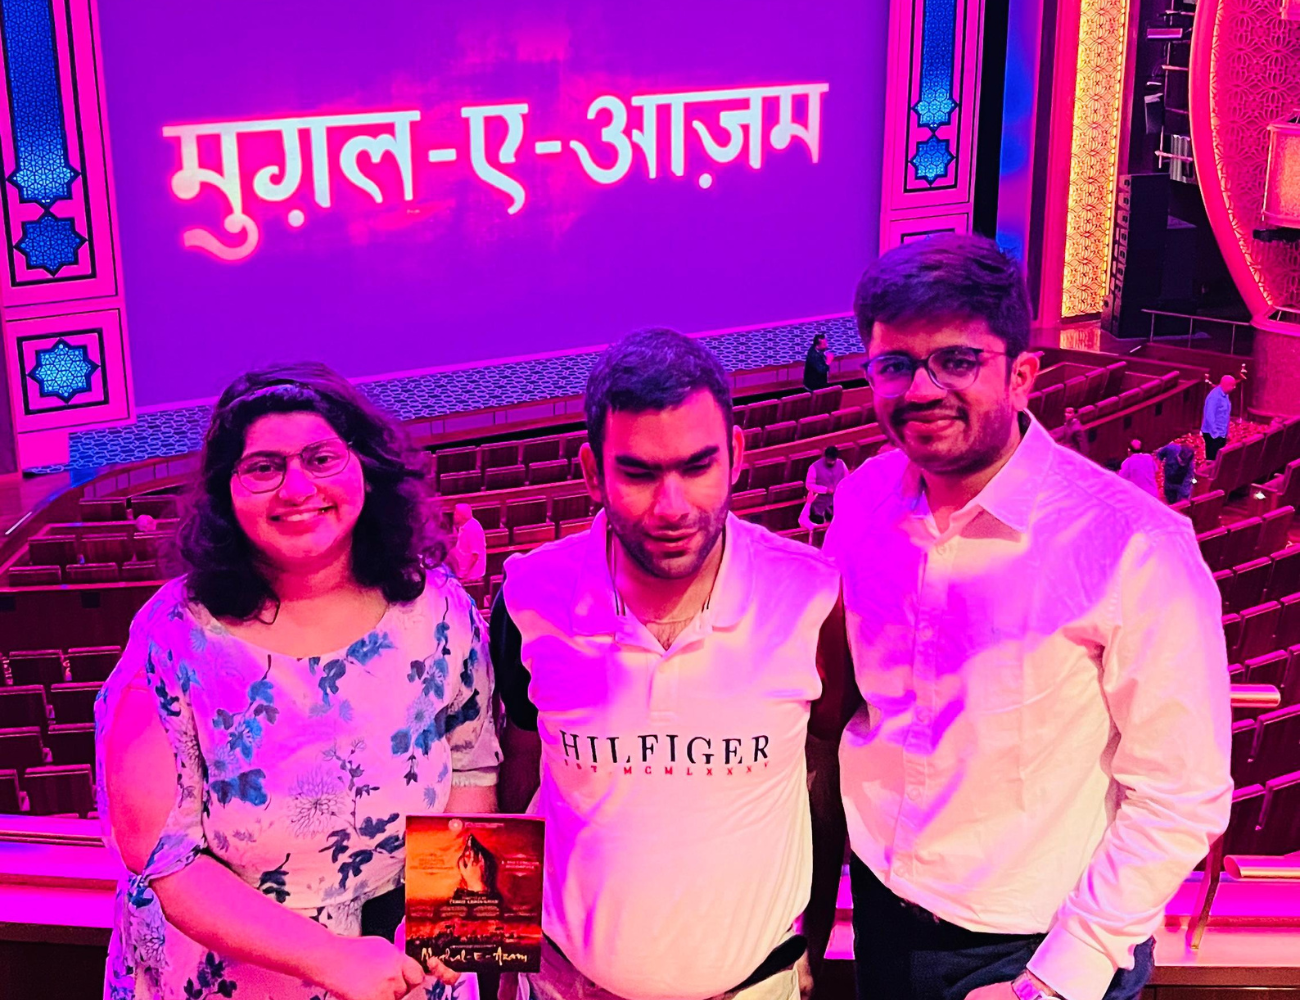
point(907, 411)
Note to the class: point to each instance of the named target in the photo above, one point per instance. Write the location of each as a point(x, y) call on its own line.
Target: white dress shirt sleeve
point(1165, 679)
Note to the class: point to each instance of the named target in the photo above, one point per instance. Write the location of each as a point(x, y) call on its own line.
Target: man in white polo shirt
point(663, 665)
point(1043, 754)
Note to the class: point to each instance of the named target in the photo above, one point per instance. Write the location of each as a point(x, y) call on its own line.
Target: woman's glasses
point(950, 368)
point(265, 471)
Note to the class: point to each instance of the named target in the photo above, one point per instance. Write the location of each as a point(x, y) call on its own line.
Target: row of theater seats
point(1284, 488)
point(1249, 538)
point(161, 506)
point(47, 732)
point(91, 552)
point(1258, 457)
point(1251, 583)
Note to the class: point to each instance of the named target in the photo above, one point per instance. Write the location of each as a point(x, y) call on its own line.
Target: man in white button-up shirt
point(1043, 753)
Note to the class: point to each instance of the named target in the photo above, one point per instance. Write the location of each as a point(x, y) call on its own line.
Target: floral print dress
point(297, 774)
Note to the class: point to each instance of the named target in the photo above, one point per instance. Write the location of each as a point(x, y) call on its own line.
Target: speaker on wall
point(1137, 253)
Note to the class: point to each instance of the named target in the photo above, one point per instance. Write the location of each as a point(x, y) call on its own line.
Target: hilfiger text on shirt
point(666, 754)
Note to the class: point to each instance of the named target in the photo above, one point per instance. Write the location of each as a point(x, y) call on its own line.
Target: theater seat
point(533, 534)
point(1226, 581)
point(141, 570)
point(34, 576)
point(52, 550)
point(72, 744)
point(21, 748)
point(1278, 748)
point(748, 499)
point(794, 407)
point(74, 702)
point(1268, 669)
point(545, 449)
point(454, 460)
point(798, 468)
point(1250, 580)
point(1288, 623)
point(769, 472)
point(10, 802)
point(459, 483)
point(851, 416)
point(1280, 826)
point(92, 663)
point(1259, 630)
point(541, 473)
point(827, 400)
point(509, 477)
point(495, 456)
point(574, 526)
point(1243, 821)
point(105, 572)
point(782, 432)
point(157, 506)
point(1285, 577)
point(814, 426)
point(102, 509)
point(764, 413)
point(1232, 635)
point(1206, 510)
point(1242, 541)
point(488, 515)
point(525, 512)
point(23, 705)
point(58, 790)
point(1276, 525)
point(1212, 546)
point(116, 548)
point(37, 666)
point(570, 507)
point(1291, 682)
point(786, 492)
point(497, 538)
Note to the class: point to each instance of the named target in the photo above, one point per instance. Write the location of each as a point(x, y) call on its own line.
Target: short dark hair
point(652, 370)
point(222, 569)
point(817, 337)
point(946, 277)
point(832, 452)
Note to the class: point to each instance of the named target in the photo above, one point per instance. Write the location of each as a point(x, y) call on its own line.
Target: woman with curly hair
point(315, 683)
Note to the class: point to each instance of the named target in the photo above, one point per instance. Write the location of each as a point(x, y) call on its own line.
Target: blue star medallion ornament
point(63, 370)
point(932, 159)
point(50, 243)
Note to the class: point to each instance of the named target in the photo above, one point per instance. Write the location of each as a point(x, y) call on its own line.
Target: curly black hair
point(390, 546)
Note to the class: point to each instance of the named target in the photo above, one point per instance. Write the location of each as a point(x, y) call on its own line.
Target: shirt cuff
point(1074, 969)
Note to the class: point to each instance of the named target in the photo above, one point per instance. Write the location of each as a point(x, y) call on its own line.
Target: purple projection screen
point(396, 186)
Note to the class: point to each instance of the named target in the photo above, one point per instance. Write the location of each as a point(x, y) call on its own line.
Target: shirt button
point(913, 794)
point(923, 715)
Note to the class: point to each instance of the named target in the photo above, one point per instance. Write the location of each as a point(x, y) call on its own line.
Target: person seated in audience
point(1179, 461)
point(822, 479)
point(817, 364)
point(281, 708)
point(1216, 416)
point(468, 556)
point(1140, 468)
point(1072, 433)
point(661, 676)
point(1042, 757)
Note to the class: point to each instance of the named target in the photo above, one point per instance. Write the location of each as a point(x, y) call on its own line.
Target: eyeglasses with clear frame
point(264, 471)
point(951, 368)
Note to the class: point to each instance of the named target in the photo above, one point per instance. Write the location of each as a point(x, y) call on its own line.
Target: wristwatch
point(1026, 987)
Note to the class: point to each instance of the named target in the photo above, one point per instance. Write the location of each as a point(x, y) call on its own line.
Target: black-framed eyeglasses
point(264, 471)
point(950, 368)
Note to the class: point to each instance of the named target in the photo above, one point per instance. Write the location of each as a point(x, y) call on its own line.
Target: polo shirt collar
point(595, 605)
point(1009, 496)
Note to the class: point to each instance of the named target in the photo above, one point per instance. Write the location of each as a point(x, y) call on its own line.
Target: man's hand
point(803, 968)
point(998, 991)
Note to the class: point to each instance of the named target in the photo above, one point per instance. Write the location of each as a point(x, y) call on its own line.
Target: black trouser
point(1212, 445)
point(904, 952)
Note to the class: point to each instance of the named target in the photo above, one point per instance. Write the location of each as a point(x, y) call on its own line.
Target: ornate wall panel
point(931, 118)
point(61, 307)
point(1245, 74)
point(1094, 153)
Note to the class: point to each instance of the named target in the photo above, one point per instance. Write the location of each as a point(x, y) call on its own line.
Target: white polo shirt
point(678, 840)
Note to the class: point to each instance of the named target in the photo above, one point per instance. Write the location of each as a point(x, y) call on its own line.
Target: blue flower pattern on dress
point(289, 772)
